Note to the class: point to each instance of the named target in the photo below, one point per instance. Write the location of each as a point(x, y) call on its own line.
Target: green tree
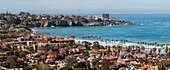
point(43, 67)
point(106, 65)
point(80, 65)
point(87, 65)
point(27, 68)
point(22, 13)
point(115, 67)
point(27, 13)
point(69, 64)
point(11, 61)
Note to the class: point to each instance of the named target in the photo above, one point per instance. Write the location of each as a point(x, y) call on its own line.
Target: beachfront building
point(45, 39)
point(105, 16)
point(2, 22)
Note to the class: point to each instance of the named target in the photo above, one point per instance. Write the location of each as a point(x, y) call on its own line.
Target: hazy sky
point(86, 6)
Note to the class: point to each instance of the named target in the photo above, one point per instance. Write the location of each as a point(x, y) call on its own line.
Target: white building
point(105, 16)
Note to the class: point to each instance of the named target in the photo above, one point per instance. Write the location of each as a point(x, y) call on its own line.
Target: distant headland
point(32, 20)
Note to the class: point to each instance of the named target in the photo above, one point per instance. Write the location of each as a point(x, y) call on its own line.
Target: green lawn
point(81, 47)
point(79, 69)
point(104, 50)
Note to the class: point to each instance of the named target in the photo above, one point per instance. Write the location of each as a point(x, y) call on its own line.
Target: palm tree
point(150, 52)
point(138, 49)
point(140, 60)
point(78, 42)
point(113, 47)
point(73, 37)
point(128, 49)
point(166, 49)
point(133, 47)
point(121, 47)
point(159, 50)
point(154, 50)
point(99, 37)
point(146, 55)
point(143, 48)
point(155, 55)
point(108, 49)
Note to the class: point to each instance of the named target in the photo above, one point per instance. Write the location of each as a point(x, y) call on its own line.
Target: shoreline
point(85, 26)
point(34, 30)
point(115, 43)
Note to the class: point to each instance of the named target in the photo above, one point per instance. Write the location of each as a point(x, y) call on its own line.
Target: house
point(50, 58)
point(61, 40)
point(95, 57)
point(32, 55)
point(3, 31)
point(105, 16)
point(2, 52)
point(2, 22)
point(21, 39)
point(109, 57)
point(16, 69)
point(144, 67)
point(121, 62)
point(81, 59)
point(114, 59)
point(46, 39)
point(19, 46)
point(75, 50)
point(26, 40)
point(123, 68)
point(96, 52)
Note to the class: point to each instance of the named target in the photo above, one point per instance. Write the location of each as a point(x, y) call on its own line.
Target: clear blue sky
point(86, 6)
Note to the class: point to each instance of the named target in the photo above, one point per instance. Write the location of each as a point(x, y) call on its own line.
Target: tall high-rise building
point(105, 16)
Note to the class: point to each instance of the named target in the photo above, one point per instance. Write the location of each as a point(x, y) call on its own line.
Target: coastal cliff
point(74, 23)
point(61, 20)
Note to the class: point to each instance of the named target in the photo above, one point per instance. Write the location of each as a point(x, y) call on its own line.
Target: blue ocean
point(154, 28)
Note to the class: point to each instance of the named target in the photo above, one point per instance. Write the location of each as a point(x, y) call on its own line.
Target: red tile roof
point(121, 62)
point(106, 57)
point(46, 37)
point(69, 40)
point(95, 52)
point(58, 39)
point(51, 56)
point(123, 68)
point(144, 67)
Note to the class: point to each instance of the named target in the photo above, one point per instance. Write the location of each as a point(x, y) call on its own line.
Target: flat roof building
point(105, 16)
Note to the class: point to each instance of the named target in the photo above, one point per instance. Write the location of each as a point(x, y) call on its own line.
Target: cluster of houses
point(57, 52)
point(64, 52)
point(59, 59)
